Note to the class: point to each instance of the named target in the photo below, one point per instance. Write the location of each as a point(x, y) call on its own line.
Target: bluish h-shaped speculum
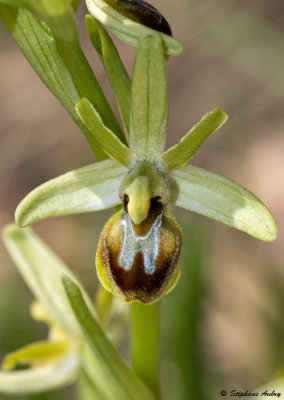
point(147, 245)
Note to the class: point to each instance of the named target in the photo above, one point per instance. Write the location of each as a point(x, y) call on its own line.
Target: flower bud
point(142, 12)
point(140, 262)
point(129, 20)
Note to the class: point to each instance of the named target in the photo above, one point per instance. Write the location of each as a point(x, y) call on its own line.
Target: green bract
point(146, 178)
point(51, 50)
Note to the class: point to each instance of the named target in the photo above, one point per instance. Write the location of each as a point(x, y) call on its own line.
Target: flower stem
point(146, 344)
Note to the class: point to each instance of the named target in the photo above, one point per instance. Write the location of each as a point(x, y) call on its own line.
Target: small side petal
point(221, 199)
point(42, 271)
point(107, 139)
point(91, 188)
point(49, 377)
point(178, 155)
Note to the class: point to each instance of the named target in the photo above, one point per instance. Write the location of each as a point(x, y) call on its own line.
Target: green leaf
point(149, 108)
point(125, 28)
point(111, 373)
point(86, 389)
point(43, 352)
point(75, 4)
point(107, 139)
point(221, 199)
point(91, 188)
point(41, 379)
point(42, 271)
point(40, 49)
point(58, 15)
point(181, 153)
point(114, 67)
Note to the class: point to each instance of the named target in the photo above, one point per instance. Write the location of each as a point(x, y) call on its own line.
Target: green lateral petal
point(40, 49)
point(221, 199)
point(107, 139)
point(91, 188)
point(125, 28)
point(106, 368)
point(181, 153)
point(149, 108)
point(42, 271)
point(40, 352)
point(114, 67)
point(42, 379)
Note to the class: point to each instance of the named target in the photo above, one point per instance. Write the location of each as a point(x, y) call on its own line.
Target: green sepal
point(42, 352)
point(114, 67)
point(221, 199)
point(109, 371)
point(107, 139)
point(125, 28)
point(179, 155)
point(91, 188)
point(149, 108)
point(42, 270)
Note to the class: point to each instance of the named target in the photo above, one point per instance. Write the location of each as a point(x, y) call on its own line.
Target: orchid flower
point(137, 256)
point(54, 362)
point(76, 345)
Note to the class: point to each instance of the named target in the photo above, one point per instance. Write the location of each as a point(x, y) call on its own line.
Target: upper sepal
point(149, 105)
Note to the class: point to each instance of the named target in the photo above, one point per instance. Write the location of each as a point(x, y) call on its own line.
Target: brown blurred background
point(233, 57)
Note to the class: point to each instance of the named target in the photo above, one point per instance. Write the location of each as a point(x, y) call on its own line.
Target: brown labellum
point(142, 12)
point(140, 262)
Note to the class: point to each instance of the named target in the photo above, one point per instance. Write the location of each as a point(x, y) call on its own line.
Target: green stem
point(146, 344)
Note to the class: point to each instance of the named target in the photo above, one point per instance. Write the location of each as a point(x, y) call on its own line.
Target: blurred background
point(222, 327)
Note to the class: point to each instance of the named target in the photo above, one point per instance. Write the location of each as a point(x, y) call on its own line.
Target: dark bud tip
point(142, 12)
